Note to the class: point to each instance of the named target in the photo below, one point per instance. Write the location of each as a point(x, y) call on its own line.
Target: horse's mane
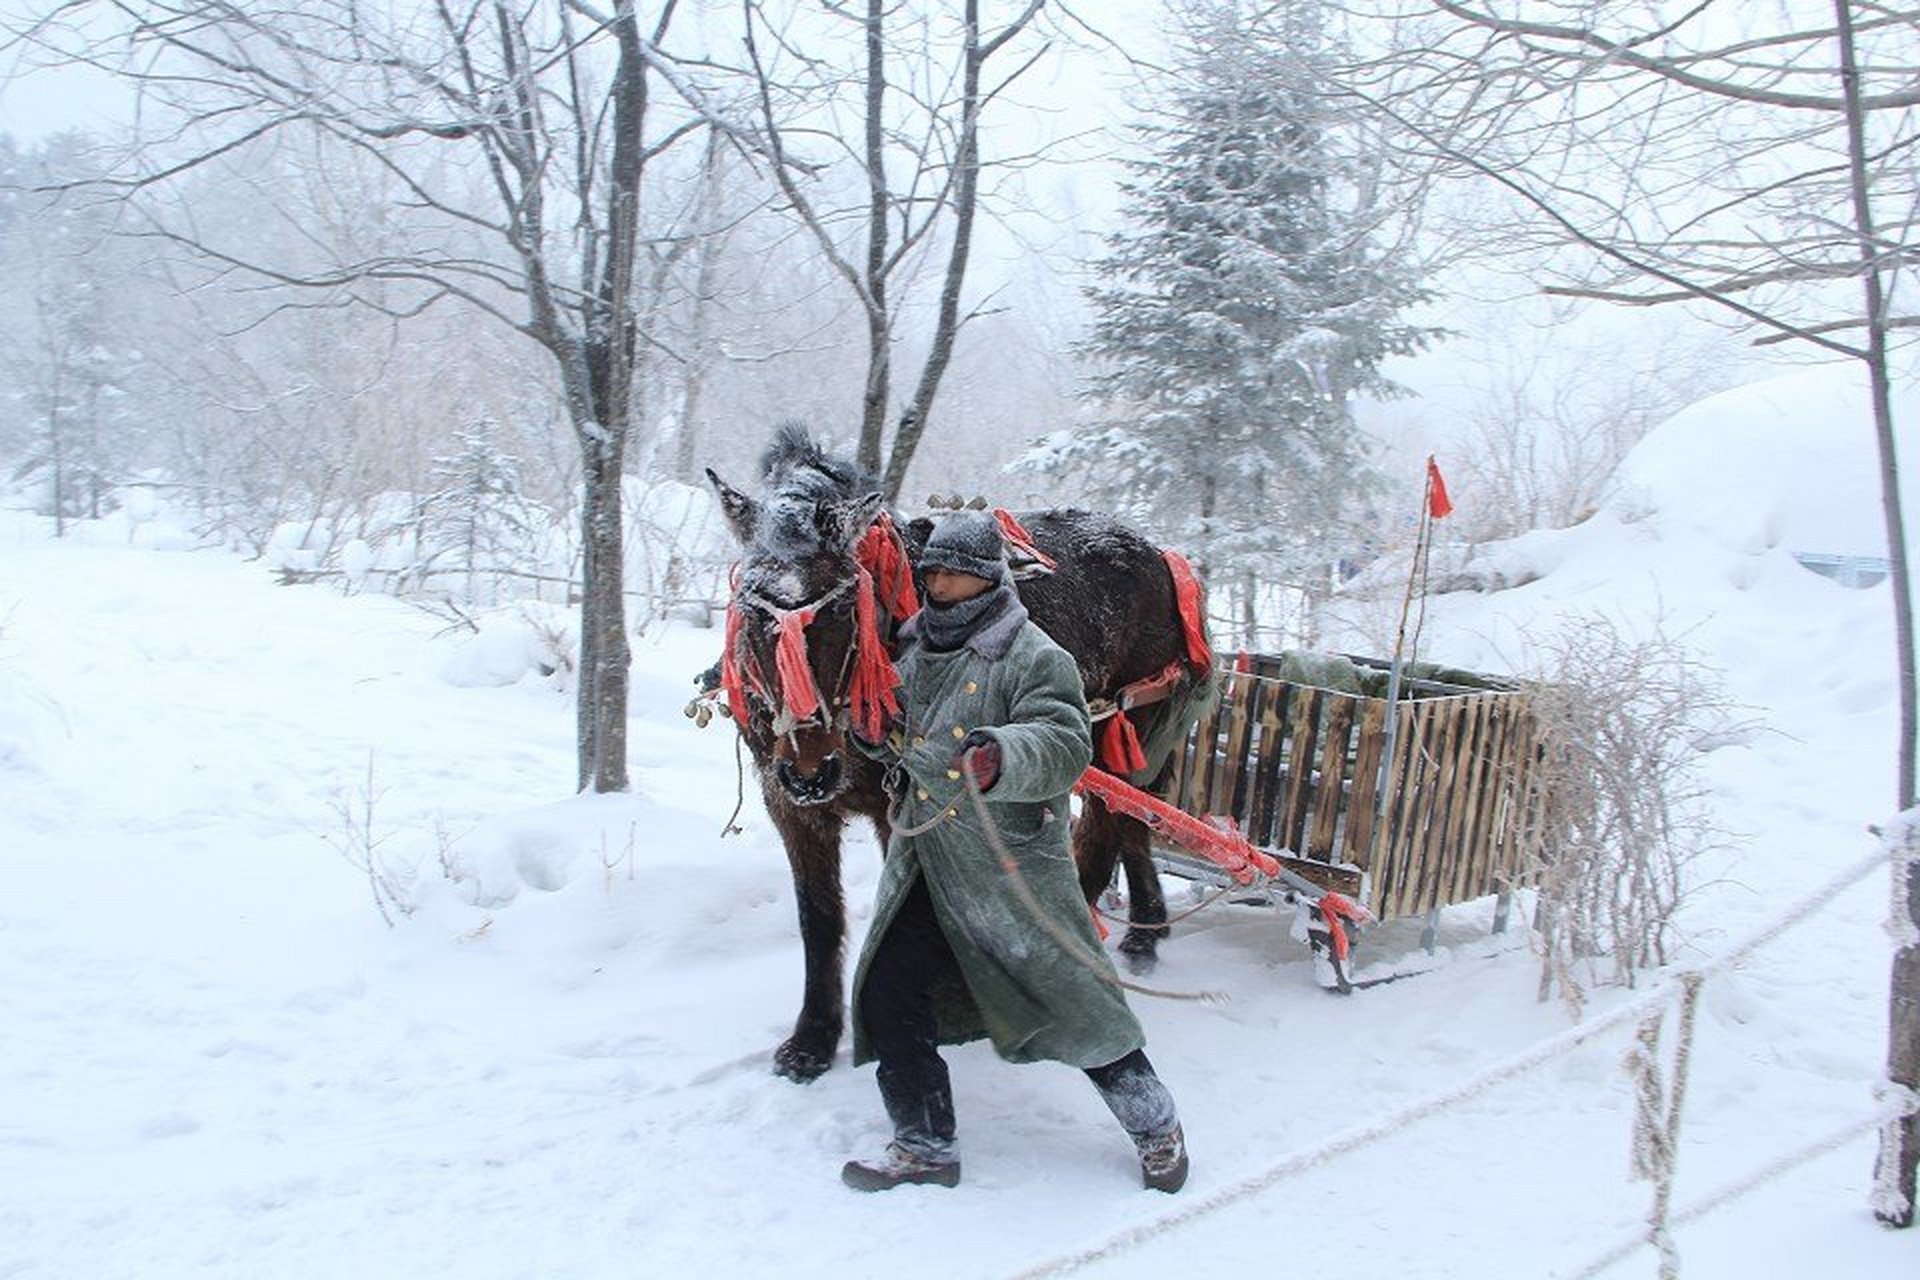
point(806, 490)
point(795, 462)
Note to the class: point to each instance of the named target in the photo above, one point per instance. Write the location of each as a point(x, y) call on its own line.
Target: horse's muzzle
point(818, 787)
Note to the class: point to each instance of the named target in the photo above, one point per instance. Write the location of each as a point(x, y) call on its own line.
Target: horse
point(824, 580)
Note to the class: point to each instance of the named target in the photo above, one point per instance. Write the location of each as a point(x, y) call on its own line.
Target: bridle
point(826, 713)
point(863, 691)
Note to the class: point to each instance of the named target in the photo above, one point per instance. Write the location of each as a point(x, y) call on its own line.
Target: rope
point(1171, 921)
point(1656, 1129)
point(739, 786)
point(1397, 1121)
point(1892, 1112)
point(1096, 963)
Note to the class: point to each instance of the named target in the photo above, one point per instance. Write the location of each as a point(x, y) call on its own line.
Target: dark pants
point(896, 1008)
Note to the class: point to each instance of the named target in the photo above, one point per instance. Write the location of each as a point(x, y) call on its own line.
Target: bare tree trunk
point(1249, 612)
point(873, 403)
point(706, 269)
point(604, 652)
point(609, 336)
point(1903, 1015)
point(913, 423)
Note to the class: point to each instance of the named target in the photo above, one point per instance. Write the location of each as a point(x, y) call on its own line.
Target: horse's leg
point(1146, 905)
point(1095, 847)
point(812, 838)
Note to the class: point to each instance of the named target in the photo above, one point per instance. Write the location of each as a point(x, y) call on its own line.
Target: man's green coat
point(1023, 988)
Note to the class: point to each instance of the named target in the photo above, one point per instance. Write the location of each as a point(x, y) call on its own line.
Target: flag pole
point(1434, 504)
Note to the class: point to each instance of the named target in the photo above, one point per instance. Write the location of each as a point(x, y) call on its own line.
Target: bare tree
point(919, 167)
point(1762, 168)
point(559, 108)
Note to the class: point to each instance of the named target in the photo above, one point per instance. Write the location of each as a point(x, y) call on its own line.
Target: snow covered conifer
point(478, 516)
point(1242, 308)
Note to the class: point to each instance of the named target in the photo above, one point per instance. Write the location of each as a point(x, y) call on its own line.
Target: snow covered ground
point(221, 1062)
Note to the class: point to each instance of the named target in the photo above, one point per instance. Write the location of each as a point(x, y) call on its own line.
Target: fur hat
point(967, 542)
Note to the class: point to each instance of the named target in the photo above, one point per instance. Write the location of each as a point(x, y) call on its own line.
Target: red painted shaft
point(1229, 850)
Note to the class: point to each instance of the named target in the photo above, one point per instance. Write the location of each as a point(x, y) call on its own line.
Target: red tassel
point(881, 554)
point(874, 677)
point(730, 679)
point(1019, 539)
point(1099, 925)
point(1120, 750)
point(797, 687)
point(1186, 590)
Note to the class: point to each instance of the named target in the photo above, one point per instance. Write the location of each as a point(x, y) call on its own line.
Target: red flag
point(1439, 505)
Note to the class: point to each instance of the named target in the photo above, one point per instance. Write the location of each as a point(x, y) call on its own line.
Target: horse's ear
point(851, 518)
point(742, 512)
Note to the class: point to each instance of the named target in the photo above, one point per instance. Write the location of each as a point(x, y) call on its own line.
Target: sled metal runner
point(1299, 768)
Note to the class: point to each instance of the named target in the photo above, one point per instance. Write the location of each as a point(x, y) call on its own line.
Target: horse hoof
point(800, 1065)
point(1141, 951)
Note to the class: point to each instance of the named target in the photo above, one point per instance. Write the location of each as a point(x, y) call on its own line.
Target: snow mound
point(27, 721)
point(505, 650)
point(1786, 463)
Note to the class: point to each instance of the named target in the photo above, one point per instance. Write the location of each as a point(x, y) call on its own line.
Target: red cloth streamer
point(1120, 750)
point(881, 553)
point(1099, 925)
point(797, 687)
point(730, 678)
point(1439, 505)
point(1186, 589)
point(1019, 539)
point(874, 677)
point(1333, 909)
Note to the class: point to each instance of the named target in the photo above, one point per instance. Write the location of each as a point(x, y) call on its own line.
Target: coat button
point(953, 775)
point(919, 741)
point(973, 686)
point(953, 813)
point(922, 793)
point(958, 732)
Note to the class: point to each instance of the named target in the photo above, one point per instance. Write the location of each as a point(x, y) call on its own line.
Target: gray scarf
point(987, 623)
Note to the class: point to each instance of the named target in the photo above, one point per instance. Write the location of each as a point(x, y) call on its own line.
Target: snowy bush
point(1624, 720)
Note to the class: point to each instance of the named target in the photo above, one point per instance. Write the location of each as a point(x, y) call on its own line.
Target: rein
point(1096, 963)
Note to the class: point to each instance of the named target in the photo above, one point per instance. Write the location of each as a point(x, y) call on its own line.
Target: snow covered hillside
point(221, 1062)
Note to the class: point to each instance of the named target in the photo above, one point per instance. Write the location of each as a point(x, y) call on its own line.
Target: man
point(955, 951)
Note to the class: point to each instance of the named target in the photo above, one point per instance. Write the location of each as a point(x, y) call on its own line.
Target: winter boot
point(1145, 1110)
point(1163, 1160)
point(898, 1167)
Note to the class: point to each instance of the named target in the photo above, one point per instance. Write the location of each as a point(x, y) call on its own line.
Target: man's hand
point(979, 756)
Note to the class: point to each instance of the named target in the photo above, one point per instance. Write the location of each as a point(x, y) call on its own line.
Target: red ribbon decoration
point(1333, 909)
point(1186, 590)
point(1019, 539)
point(797, 687)
point(1120, 749)
point(881, 554)
point(730, 678)
point(874, 678)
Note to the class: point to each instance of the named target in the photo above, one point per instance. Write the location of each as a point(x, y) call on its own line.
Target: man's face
point(948, 587)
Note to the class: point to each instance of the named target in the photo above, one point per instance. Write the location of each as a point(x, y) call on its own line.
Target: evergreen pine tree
point(61, 346)
point(1242, 307)
point(478, 515)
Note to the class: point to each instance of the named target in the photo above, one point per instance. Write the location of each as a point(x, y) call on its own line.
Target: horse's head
point(793, 630)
